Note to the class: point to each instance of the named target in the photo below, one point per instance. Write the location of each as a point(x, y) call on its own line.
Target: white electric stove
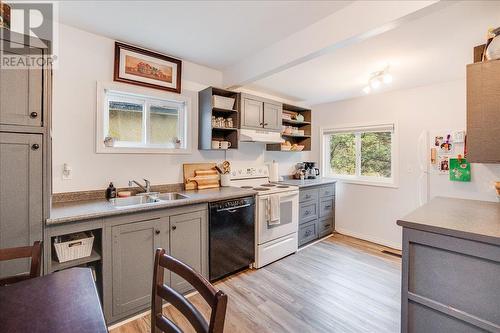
point(277, 215)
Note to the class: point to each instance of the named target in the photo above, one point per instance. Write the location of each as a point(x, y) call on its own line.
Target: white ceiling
point(212, 33)
point(430, 49)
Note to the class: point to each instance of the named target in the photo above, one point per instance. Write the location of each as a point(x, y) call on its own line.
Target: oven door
point(289, 217)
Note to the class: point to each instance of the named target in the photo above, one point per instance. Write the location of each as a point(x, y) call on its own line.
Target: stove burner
point(283, 186)
point(268, 185)
point(260, 189)
point(246, 187)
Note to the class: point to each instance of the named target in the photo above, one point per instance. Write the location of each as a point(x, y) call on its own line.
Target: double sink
point(146, 199)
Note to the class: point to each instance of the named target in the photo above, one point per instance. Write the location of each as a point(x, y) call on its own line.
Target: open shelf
point(214, 109)
point(304, 125)
point(295, 135)
point(224, 129)
point(57, 266)
point(206, 109)
point(295, 122)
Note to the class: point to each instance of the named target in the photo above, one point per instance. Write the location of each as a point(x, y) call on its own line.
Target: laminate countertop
point(307, 182)
point(84, 210)
point(469, 219)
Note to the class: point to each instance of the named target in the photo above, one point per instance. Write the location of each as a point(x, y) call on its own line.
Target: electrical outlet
point(67, 172)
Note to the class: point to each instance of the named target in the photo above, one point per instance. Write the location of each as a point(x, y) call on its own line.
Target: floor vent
point(391, 253)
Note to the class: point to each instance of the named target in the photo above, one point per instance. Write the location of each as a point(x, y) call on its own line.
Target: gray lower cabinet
point(21, 93)
point(128, 260)
point(189, 243)
point(316, 212)
point(449, 284)
point(133, 251)
point(21, 193)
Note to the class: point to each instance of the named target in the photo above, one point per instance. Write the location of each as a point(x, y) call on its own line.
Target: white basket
point(222, 102)
point(79, 246)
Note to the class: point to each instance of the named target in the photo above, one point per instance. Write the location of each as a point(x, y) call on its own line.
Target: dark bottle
point(110, 192)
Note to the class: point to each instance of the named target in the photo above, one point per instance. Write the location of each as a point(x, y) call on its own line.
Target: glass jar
point(229, 122)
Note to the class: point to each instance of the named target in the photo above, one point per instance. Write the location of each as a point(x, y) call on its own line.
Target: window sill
point(365, 182)
point(135, 150)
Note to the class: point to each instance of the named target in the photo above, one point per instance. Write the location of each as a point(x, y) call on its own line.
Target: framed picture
point(146, 68)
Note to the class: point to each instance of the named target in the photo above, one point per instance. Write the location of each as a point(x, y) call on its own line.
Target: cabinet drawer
point(308, 211)
point(307, 232)
point(308, 195)
point(326, 207)
point(325, 227)
point(327, 191)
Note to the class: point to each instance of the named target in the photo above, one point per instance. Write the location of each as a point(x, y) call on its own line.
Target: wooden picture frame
point(146, 68)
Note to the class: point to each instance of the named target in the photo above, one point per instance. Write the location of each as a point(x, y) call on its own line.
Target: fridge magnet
point(459, 170)
point(446, 147)
point(438, 140)
point(444, 164)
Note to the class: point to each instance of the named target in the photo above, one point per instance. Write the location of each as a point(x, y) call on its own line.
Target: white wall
point(371, 212)
point(85, 59)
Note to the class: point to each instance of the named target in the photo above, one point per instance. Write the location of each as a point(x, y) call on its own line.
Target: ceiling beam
point(354, 23)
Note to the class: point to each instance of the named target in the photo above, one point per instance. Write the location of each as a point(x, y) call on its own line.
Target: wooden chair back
point(34, 252)
point(216, 299)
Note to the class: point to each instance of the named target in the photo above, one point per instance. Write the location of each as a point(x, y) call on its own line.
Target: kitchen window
point(360, 154)
point(133, 121)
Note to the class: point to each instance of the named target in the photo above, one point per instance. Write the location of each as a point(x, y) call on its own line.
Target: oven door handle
point(232, 209)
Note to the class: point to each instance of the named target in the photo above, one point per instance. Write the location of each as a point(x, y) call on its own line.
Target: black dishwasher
point(232, 236)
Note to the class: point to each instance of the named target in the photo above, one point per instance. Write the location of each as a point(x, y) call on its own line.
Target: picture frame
point(146, 68)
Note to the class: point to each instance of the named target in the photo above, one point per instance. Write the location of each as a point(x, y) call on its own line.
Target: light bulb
point(387, 78)
point(375, 83)
point(367, 89)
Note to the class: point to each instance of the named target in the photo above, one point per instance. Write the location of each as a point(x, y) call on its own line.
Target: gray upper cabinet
point(21, 93)
point(133, 249)
point(260, 113)
point(188, 243)
point(272, 116)
point(21, 206)
point(252, 114)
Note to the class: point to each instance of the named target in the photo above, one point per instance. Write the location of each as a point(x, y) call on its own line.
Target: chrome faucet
point(146, 189)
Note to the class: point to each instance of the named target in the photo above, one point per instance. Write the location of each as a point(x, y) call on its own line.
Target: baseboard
point(368, 238)
point(316, 241)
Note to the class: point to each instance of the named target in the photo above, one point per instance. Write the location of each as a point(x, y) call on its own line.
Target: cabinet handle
point(265, 124)
point(33, 114)
point(35, 146)
point(308, 196)
point(307, 212)
point(157, 231)
point(328, 207)
point(174, 227)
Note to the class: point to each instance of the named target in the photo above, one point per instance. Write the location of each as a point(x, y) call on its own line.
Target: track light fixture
point(376, 79)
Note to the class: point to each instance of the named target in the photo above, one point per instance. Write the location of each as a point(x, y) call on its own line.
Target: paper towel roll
point(274, 171)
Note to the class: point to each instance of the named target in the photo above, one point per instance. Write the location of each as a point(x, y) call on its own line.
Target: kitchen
point(270, 128)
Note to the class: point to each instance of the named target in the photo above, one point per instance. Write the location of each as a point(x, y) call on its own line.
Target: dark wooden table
point(65, 301)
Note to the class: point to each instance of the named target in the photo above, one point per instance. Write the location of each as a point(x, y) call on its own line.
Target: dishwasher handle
point(232, 209)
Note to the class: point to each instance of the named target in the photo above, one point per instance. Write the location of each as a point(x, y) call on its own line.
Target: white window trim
point(360, 180)
point(101, 118)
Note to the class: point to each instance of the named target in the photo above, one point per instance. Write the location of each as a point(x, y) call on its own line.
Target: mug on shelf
point(215, 144)
point(225, 144)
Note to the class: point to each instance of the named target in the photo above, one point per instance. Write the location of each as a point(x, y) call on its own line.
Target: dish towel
point(274, 209)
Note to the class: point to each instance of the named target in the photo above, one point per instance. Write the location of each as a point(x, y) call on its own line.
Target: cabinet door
point(133, 251)
point(188, 243)
point(21, 208)
point(272, 117)
point(253, 113)
point(21, 95)
point(483, 112)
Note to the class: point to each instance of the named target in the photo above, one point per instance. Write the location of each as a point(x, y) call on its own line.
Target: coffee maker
point(311, 172)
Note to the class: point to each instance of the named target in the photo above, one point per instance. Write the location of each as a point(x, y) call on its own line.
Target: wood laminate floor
point(338, 285)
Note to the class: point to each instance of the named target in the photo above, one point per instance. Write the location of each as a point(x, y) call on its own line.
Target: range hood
point(247, 135)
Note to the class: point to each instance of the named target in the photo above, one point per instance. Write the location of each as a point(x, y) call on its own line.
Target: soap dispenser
point(110, 191)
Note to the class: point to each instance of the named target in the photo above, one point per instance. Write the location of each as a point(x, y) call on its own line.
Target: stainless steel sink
point(171, 196)
point(144, 199)
point(132, 201)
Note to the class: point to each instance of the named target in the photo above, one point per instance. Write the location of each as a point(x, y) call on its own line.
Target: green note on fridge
point(459, 170)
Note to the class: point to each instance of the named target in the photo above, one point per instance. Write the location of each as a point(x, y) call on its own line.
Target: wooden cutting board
point(189, 172)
